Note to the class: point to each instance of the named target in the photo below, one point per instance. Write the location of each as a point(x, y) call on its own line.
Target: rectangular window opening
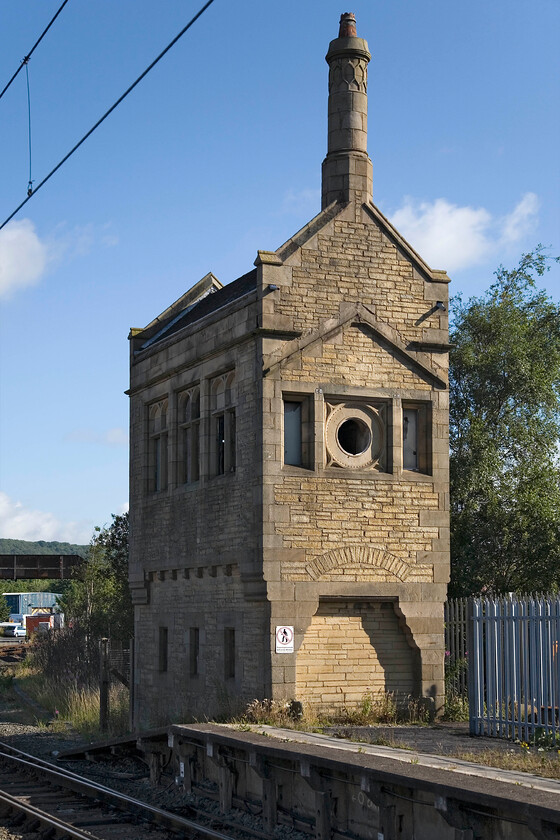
point(163, 648)
point(410, 438)
point(220, 444)
point(194, 651)
point(416, 442)
point(229, 653)
point(292, 433)
point(157, 453)
point(298, 431)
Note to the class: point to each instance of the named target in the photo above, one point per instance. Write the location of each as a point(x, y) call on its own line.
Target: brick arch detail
point(358, 555)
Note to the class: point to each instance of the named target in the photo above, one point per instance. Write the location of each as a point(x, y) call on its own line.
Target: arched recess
point(359, 555)
point(353, 648)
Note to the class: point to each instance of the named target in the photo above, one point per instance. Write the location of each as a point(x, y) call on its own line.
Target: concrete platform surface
point(414, 757)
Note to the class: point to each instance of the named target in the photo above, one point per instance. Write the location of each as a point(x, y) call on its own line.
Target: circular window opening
point(353, 436)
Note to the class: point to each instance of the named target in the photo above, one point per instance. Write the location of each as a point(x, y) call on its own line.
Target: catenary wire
point(110, 111)
point(25, 60)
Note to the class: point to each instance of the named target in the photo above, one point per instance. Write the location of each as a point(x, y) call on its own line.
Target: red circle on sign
point(284, 635)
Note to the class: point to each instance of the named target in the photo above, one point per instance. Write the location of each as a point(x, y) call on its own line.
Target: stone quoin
point(289, 461)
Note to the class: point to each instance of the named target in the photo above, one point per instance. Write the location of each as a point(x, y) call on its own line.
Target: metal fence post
point(104, 682)
point(472, 660)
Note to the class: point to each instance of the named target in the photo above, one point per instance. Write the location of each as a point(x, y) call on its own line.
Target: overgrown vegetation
point(374, 708)
point(62, 669)
point(456, 705)
point(71, 705)
point(4, 609)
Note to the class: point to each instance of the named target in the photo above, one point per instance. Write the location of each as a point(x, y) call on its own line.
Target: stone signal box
point(289, 461)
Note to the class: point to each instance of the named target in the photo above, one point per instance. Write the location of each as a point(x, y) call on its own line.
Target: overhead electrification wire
point(25, 60)
point(110, 111)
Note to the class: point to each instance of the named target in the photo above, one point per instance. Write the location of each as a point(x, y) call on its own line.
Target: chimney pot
point(347, 25)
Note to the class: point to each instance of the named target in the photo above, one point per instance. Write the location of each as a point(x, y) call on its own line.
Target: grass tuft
point(374, 708)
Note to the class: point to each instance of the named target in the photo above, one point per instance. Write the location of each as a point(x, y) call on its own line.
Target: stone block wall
point(354, 650)
point(342, 315)
point(207, 602)
point(371, 335)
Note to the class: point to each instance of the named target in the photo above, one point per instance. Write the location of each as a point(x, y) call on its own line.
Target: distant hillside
point(41, 547)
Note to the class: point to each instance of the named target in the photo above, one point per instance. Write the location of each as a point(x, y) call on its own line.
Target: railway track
point(12, 652)
point(37, 795)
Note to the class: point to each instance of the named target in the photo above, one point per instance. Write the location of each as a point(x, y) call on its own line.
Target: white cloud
point(453, 237)
point(20, 523)
point(522, 220)
point(111, 437)
point(65, 244)
point(23, 257)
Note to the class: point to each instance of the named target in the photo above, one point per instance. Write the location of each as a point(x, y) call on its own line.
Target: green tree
point(98, 602)
point(504, 436)
point(4, 609)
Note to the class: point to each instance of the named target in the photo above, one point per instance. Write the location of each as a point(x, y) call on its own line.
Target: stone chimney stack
point(347, 169)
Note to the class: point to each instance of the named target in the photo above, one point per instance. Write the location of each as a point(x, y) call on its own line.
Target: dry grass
point(73, 706)
point(373, 709)
point(537, 763)
point(387, 709)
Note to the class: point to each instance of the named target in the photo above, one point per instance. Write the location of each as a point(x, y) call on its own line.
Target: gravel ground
point(20, 729)
point(438, 739)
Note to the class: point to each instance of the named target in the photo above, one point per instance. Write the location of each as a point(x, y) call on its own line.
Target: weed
point(283, 713)
point(456, 707)
point(546, 741)
point(379, 707)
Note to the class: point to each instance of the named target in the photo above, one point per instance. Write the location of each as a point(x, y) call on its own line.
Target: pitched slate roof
point(205, 306)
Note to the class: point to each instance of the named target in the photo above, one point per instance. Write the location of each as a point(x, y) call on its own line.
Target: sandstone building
point(289, 461)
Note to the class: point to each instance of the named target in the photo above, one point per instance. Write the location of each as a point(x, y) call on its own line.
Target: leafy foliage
point(98, 602)
point(8, 546)
point(504, 436)
point(4, 609)
point(69, 656)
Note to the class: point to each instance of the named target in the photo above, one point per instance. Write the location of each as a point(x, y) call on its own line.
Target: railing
point(456, 650)
point(514, 667)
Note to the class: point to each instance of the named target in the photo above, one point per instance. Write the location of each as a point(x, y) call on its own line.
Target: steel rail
point(78, 784)
point(47, 820)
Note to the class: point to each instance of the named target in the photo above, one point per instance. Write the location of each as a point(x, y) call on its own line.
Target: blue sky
point(216, 154)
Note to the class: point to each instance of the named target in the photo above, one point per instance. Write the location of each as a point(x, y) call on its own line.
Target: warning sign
point(284, 639)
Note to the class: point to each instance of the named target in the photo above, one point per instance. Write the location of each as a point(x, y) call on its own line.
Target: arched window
point(157, 446)
point(222, 440)
point(189, 435)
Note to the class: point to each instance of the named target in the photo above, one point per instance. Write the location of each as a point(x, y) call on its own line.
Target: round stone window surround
point(358, 427)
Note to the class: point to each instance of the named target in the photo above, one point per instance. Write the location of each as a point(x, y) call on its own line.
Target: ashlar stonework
point(289, 461)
